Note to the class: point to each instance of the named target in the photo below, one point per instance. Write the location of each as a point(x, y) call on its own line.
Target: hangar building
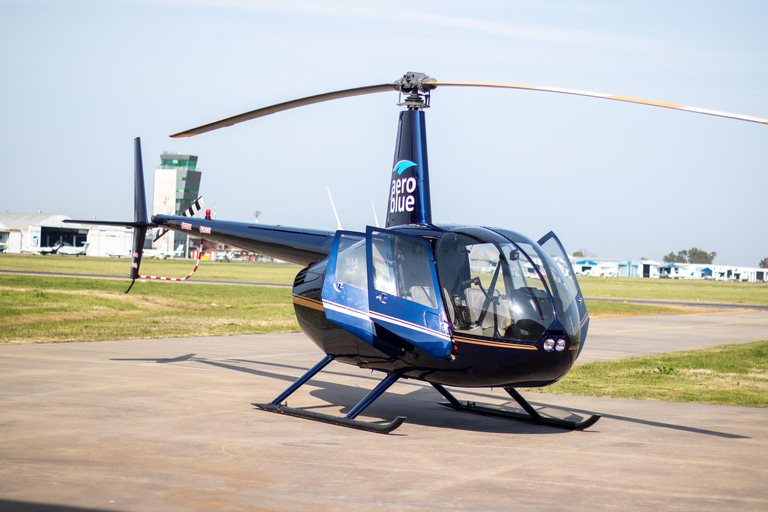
point(31, 231)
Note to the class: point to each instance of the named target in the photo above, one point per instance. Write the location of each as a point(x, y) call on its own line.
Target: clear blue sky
point(81, 79)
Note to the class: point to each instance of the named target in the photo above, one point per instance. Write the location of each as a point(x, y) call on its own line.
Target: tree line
point(692, 255)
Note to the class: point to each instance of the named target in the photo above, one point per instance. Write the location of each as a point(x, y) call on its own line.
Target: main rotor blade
point(309, 100)
point(602, 96)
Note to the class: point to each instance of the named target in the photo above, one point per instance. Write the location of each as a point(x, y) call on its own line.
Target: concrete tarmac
point(168, 425)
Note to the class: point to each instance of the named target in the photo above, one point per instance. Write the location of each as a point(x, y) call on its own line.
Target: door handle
point(382, 298)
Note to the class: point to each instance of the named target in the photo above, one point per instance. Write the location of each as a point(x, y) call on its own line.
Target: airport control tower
point(177, 185)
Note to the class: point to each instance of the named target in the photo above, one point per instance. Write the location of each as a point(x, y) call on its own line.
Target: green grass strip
point(723, 375)
point(675, 289)
point(37, 309)
point(225, 271)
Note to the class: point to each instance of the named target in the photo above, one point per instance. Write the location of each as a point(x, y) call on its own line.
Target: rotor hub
point(417, 86)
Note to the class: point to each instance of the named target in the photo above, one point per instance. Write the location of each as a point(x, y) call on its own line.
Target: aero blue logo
point(402, 165)
point(402, 198)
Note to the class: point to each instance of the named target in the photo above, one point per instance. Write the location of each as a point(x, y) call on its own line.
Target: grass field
point(675, 289)
point(225, 271)
point(37, 309)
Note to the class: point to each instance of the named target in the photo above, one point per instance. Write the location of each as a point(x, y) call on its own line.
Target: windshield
point(563, 288)
point(495, 286)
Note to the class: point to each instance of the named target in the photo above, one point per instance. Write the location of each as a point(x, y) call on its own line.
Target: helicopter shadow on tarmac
point(418, 405)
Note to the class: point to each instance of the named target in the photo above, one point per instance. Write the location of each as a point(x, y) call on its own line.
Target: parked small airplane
point(42, 251)
point(162, 255)
point(74, 251)
point(225, 255)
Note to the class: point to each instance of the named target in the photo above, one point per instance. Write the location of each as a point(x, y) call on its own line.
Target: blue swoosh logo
point(402, 165)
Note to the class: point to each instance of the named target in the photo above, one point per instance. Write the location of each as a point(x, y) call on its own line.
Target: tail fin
point(139, 212)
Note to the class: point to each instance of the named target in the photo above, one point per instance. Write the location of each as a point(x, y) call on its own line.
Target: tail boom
point(294, 245)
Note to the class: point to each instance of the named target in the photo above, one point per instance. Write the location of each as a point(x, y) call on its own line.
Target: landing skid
point(532, 415)
point(349, 420)
point(379, 428)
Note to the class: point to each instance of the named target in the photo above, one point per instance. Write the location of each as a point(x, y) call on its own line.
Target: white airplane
point(42, 251)
point(225, 255)
point(73, 251)
point(161, 255)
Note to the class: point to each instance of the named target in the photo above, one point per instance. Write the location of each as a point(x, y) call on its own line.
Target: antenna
point(338, 222)
point(375, 218)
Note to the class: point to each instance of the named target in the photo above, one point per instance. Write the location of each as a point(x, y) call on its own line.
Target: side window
point(383, 277)
point(350, 262)
point(401, 268)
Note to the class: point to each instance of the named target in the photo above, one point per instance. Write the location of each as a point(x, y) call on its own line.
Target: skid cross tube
point(302, 380)
point(532, 415)
point(348, 420)
point(373, 395)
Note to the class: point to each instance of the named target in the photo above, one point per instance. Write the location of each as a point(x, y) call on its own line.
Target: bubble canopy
point(500, 284)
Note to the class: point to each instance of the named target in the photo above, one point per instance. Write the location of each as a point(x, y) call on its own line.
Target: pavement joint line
point(738, 311)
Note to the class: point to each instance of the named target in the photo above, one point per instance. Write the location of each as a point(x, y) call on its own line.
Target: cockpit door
point(403, 293)
point(552, 246)
point(345, 290)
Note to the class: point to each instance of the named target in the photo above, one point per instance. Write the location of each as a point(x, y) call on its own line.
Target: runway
point(167, 425)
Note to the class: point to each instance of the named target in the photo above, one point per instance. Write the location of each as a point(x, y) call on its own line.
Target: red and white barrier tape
point(173, 278)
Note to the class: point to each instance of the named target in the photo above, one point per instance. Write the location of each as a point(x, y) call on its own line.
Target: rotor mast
point(409, 196)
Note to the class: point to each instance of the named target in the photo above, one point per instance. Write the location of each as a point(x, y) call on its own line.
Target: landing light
point(560, 345)
point(549, 344)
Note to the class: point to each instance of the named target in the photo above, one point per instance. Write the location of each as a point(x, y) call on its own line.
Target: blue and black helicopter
point(452, 305)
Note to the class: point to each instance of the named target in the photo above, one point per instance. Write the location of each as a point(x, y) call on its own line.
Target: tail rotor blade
point(140, 211)
point(140, 200)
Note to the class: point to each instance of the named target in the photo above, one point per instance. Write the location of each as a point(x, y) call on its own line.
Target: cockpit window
point(501, 285)
point(558, 278)
point(493, 288)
